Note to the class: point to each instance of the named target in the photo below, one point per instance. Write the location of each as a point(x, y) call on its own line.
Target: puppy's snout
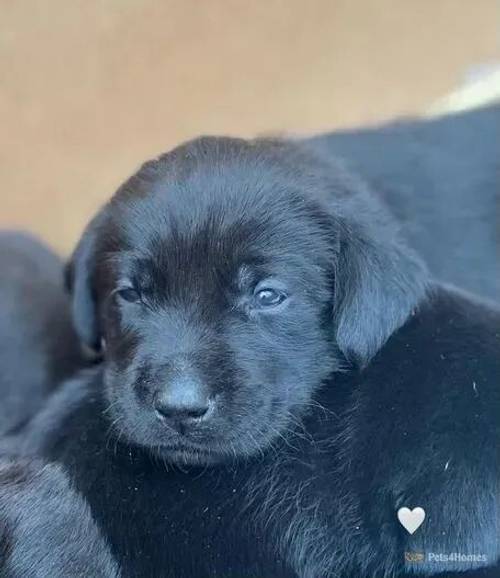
point(183, 402)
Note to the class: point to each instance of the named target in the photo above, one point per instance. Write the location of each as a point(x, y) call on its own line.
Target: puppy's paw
point(46, 528)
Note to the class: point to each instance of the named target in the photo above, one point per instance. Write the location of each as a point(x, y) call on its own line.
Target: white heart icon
point(411, 520)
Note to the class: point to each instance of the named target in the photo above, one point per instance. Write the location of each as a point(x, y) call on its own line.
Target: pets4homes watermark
point(442, 558)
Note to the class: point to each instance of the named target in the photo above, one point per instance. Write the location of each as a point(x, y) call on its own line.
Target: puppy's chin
point(224, 451)
point(190, 456)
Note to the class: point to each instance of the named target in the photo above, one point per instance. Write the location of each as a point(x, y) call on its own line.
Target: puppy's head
point(228, 279)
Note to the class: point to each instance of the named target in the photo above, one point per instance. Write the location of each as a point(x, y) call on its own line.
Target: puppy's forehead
point(231, 209)
point(205, 219)
point(214, 252)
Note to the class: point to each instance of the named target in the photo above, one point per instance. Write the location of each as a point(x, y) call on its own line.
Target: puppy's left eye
point(129, 294)
point(266, 298)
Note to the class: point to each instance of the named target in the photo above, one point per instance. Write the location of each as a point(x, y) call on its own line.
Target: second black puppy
point(441, 178)
point(229, 282)
point(38, 345)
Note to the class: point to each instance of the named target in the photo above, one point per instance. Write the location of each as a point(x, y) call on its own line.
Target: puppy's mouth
point(189, 454)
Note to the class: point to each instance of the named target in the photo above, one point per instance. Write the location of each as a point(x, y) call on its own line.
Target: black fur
point(39, 347)
point(46, 528)
point(317, 432)
point(441, 179)
point(418, 426)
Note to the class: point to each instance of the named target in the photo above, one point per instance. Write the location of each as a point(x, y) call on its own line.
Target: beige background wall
point(89, 89)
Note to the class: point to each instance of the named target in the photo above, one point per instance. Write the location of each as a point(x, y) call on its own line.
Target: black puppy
point(46, 528)
point(39, 347)
point(238, 288)
point(441, 178)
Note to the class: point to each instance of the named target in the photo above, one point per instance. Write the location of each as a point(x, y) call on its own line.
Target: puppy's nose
point(183, 402)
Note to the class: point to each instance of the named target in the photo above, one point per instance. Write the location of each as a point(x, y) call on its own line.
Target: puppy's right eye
point(129, 294)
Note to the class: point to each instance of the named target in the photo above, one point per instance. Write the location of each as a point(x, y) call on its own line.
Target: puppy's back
point(441, 178)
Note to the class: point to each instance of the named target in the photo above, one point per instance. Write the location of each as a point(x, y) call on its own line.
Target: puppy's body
point(39, 347)
point(441, 179)
point(230, 281)
point(419, 426)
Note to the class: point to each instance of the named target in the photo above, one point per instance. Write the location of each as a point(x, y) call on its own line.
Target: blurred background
point(91, 88)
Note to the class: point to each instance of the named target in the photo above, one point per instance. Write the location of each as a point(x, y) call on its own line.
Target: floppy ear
point(80, 282)
point(378, 283)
